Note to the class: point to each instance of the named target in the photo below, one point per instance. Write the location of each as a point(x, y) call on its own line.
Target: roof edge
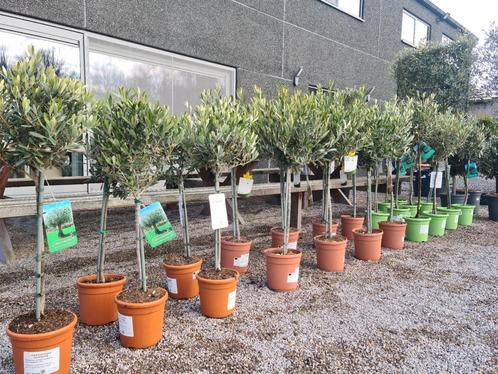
point(438, 11)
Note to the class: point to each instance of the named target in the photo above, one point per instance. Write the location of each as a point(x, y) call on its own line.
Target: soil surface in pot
point(137, 296)
point(180, 259)
point(52, 320)
point(108, 279)
point(289, 252)
point(243, 239)
point(333, 238)
point(218, 275)
point(291, 229)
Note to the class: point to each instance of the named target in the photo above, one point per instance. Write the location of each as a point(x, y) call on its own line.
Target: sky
point(475, 15)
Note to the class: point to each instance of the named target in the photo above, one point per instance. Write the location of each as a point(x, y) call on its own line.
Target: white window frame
point(359, 17)
point(416, 20)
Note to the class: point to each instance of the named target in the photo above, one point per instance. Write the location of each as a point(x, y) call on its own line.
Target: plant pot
point(425, 207)
point(349, 224)
point(437, 226)
point(413, 209)
point(417, 229)
point(235, 254)
point(384, 207)
point(493, 206)
point(453, 217)
point(378, 217)
point(141, 324)
point(367, 247)
point(401, 203)
point(474, 198)
point(218, 296)
point(181, 280)
point(467, 214)
point(282, 271)
point(48, 352)
point(394, 234)
point(319, 228)
point(277, 237)
point(97, 306)
point(402, 212)
point(455, 199)
point(330, 253)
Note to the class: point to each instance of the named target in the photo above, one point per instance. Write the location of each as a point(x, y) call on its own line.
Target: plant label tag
point(155, 224)
point(219, 217)
point(350, 163)
point(42, 361)
point(293, 277)
point(424, 229)
point(231, 299)
point(241, 261)
point(172, 286)
point(59, 226)
point(194, 274)
point(245, 186)
point(292, 245)
point(125, 325)
point(438, 179)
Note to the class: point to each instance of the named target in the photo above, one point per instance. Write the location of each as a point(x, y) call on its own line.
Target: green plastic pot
point(453, 217)
point(437, 227)
point(413, 209)
point(378, 217)
point(417, 229)
point(384, 207)
point(402, 202)
point(467, 216)
point(425, 207)
point(402, 212)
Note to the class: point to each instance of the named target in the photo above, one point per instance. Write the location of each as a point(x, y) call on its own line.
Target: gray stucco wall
point(486, 107)
point(266, 40)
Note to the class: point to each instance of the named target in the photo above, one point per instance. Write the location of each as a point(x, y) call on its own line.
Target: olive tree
point(42, 117)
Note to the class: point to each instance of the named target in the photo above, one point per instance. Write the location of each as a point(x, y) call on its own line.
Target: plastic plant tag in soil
point(59, 226)
point(155, 224)
point(219, 217)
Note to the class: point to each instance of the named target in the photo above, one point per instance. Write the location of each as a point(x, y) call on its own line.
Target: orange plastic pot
point(319, 228)
point(141, 324)
point(330, 253)
point(277, 237)
point(97, 306)
point(50, 351)
point(349, 224)
point(282, 271)
point(394, 234)
point(367, 247)
point(218, 296)
point(235, 255)
point(181, 280)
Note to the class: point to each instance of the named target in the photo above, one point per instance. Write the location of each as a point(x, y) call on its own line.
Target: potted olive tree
point(182, 269)
point(136, 152)
point(222, 137)
point(291, 135)
point(42, 117)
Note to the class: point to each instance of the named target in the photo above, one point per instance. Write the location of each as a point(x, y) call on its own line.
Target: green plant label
point(59, 226)
point(471, 169)
point(155, 225)
point(426, 151)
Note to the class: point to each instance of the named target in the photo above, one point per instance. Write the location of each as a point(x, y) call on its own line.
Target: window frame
point(448, 38)
point(360, 17)
point(416, 19)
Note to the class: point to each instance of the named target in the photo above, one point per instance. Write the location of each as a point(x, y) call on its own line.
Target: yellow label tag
point(247, 175)
point(351, 154)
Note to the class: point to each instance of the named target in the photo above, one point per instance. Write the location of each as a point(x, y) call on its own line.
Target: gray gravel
point(430, 308)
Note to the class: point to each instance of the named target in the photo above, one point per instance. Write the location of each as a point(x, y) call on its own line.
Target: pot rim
point(436, 215)
point(146, 305)
point(80, 281)
point(375, 232)
point(344, 239)
point(220, 281)
point(181, 267)
point(321, 223)
point(381, 213)
point(238, 243)
point(392, 224)
point(418, 220)
point(296, 253)
point(349, 217)
point(44, 335)
point(273, 230)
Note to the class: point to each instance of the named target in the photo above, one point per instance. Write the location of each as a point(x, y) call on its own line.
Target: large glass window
point(414, 31)
point(353, 7)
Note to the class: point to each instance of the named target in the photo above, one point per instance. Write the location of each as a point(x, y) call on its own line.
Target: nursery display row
point(133, 143)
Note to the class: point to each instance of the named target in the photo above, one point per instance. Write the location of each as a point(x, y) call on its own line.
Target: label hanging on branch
point(350, 162)
point(219, 217)
point(59, 226)
point(438, 179)
point(245, 184)
point(471, 169)
point(155, 224)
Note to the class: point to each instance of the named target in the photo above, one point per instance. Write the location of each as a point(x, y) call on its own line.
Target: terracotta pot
point(97, 306)
point(282, 271)
point(277, 237)
point(394, 234)
point(319, 228)
point(181, 280)
point(349, 224)
point(54, 348)
point(367, 247)
point(330, 253)
point(235, 255)
point(217, 296)
point(141, 324)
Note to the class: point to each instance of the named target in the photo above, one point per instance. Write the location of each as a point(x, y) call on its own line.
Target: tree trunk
point(396, 185)
point(448, 192)
point(434, 193)
point(369, 201)
point(184, 216)
point(4, 178)
point(103, 232)
point(419, 179)
point(410, 197)
point(466, 185)
point(217, 232)
point(328, 202)
point(40, 247)
point(376, 181)
point(287, 210)
point(235, 212)
point(391, 190)
point(140, 246)
point(6, 250)
point(354, 194)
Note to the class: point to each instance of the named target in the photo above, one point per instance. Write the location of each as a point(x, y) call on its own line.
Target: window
point(414, 31)
point(351, 7)
point(445, 39)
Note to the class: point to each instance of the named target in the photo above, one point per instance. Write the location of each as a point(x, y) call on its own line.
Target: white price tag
point(125, 325)
point(293, 277)
point(350, 163)
point(231, 300)
point(241, 261)
point(172, 285)
point(245, 186)
point(42, 361)
point(292, 245)
point(424, 229)
point(439, 179)
point(219, 218)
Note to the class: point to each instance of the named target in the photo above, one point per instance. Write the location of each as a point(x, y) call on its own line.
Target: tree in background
point(488, 62)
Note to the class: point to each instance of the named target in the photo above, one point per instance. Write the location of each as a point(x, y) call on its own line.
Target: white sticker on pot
point(245, 186)
point(125, 325)
point(172, 285)
point(424, 229)
point(231, 299)
point(438, 179)
point(293, 277)
point(42, 362)
point(219, 217)
point(292, 245)
point(350, 163)
point(194, 274)
point(241, 261)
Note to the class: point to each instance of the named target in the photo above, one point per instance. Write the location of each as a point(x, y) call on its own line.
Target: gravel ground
point(432, 307)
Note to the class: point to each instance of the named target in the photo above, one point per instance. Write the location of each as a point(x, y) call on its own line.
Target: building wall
point(266, 40)
point(486, 107)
